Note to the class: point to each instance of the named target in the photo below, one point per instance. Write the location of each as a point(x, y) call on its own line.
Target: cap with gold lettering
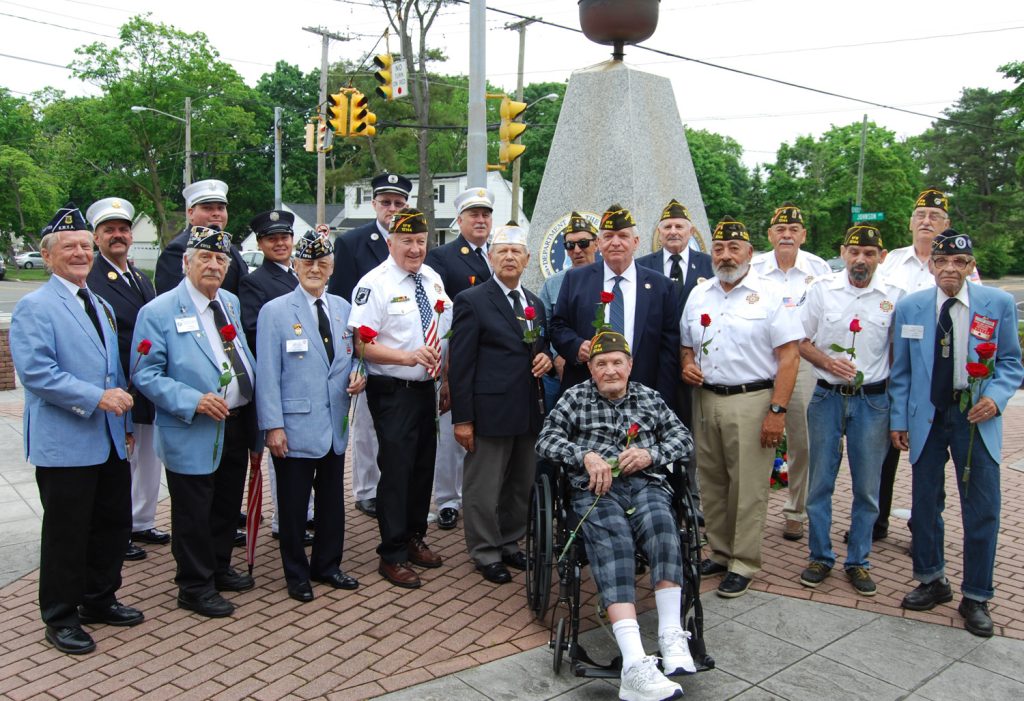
point(730, 230)
point(951, 242)
point(616, 217)
point(788, 213)
point(863, 235)
point(608, 342)
point(409, 221)
point(675, 210)
point(933, 198)
point(67, 218)
point(577, 223)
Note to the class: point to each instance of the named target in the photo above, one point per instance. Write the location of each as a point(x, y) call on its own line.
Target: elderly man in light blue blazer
point(304, 379)
point(935, 412)
point(199, 374)
point(77, 413)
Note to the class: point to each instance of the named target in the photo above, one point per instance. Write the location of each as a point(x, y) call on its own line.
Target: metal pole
point(188, 141)
point(277, 158)
point(517, 164)
point(860, 167)
point(321, 157)
point(476, 151)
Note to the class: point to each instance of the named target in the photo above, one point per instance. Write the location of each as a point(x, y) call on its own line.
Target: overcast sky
point(916, 56)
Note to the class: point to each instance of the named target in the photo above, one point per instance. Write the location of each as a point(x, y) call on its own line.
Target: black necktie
point(325, 330)
point(483, 259)
point(237, 366)
point(676, 271)
point(90, 309)
point(942, 367)
point(130, 279)
point(517, 309)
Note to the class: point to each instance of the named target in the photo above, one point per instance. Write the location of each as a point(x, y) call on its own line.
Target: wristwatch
point(776, 408)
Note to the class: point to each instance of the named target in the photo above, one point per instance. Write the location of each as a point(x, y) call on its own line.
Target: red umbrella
point(253, 507)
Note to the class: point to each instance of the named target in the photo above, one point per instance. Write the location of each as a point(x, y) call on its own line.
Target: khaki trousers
point(734, 475)
point(798, 451)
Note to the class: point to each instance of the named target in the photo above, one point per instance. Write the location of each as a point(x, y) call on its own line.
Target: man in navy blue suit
point(643, 310)
point(356, 253)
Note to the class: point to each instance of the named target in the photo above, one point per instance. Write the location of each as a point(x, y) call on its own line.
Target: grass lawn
point(14, 273)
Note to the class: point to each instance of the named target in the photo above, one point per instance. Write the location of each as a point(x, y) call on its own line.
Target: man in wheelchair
point(619, 483)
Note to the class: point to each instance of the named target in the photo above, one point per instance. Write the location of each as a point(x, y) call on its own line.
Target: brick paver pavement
point(353, 645)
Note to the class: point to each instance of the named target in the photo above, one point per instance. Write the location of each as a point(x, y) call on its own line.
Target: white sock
point(669, 601)
point(627, 635)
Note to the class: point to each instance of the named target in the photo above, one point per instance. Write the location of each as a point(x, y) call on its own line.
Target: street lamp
point(517, 164)
point(187, 121)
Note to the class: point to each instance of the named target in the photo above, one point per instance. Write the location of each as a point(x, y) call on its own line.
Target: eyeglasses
point(956, 263)
point(391, 203)
point(930, 216)
point(584, 244)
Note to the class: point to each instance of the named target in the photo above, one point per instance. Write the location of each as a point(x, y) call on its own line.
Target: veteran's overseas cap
point(608, 342)
point(474, 197)
point(617, 217)
point(933, 198)
point(675, 210)
point(209, 238)
point(391, 182)
point(509, 234)
point(205, 191)
point(577, 222)
point(276, 221)
point(312, 246)
point(788, 213)
point(951, 242)
point(110, 208)
point(863, 235)
point(67, 218)
point(730, 230)
point(409, 221)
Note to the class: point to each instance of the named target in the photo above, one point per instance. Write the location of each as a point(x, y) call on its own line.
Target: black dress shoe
point(239, 541)
point(152, 536)
point(307, 537)
point(241, 519)
point(733, 585)
point(339, 580)
point(134, 552)
point(709, 568)
point(928, 596)
point(211, 605)
point(516, 560)
point(976, 617)
point(368, 507)
point(495, 572)
point(233, 580)
point(301, 592)
point(71, 639)
point(447, 518)
point(113, 615)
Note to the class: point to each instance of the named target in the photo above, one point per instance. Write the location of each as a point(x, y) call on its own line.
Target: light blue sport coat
point(178, 371)
point(910, 382)
point(65, 370)
point(296, 389)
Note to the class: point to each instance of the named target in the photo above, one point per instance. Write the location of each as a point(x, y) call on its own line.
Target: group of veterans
point(451, 380)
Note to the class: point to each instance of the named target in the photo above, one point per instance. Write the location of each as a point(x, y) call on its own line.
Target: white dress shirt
point(233, 396)
point(628, 288)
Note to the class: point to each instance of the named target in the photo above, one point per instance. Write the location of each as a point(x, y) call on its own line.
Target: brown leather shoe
point(794, 530)
point(420, 554)
point(399, 574)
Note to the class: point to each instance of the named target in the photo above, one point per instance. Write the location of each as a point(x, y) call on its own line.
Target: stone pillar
point(6, 362)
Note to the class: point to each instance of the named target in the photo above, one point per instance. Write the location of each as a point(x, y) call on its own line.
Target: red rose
point(366, 334)
point(985, 350)
point(607, 297)
point(144, 346)
point(439, 306)
point(978, 371)
point(634, 431)
point(705, 320)
point(228, 333)
point(855, 326)
point(530, 313)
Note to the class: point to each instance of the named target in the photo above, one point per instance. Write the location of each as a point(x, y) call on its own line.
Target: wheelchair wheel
point(538, 549)
point(559, 644)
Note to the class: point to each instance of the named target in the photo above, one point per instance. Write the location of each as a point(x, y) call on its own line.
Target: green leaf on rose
point(838, 348)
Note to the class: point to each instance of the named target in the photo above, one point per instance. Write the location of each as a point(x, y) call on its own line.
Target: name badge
point(187, 324)
point(912, 331)
point(297, 345)
point(982, 327)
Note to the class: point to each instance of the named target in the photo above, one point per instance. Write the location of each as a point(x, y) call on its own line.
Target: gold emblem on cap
point(67, 219)
point(464, 250)
point(481, 193)
point(116, 204)
point(274, 216)
point(297, 328)
point(647, 285)
point(111, 275)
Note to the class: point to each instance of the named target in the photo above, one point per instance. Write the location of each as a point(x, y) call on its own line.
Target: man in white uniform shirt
point(852, 310)
point(739, 346)
point(795, 270)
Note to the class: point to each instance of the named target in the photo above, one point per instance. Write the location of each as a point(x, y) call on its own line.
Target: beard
point(860, 273)
point(731, 274)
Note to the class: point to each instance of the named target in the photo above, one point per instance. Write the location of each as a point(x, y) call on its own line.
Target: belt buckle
point(847, 390)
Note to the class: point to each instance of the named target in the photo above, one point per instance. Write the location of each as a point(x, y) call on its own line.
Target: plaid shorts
point(610, 536)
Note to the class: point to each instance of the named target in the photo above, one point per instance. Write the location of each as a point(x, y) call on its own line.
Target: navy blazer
point(126, 302)
point(356, 253)
point(699, 267)
point(655, 346)
point(489, 372)
point(267, 282)
point(168, 266)
point(458, 266)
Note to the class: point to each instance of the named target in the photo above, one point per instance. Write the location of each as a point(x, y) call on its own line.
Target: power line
point(58, 26)
point(32, 60)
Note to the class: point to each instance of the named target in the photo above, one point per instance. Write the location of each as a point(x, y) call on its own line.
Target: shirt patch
point(886, 306)
point(362, 295)
point(753, 298)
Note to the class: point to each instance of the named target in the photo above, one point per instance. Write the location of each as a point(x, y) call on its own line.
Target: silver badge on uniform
point(362, 295)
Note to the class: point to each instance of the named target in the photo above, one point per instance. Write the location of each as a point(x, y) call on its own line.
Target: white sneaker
point(675, 652)
point(643, 682)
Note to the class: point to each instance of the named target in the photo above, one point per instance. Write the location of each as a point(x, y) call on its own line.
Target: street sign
point(869, 216)
point(399, 81)
point(856, 208)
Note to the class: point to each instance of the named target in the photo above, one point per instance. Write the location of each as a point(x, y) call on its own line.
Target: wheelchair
point(549, 526)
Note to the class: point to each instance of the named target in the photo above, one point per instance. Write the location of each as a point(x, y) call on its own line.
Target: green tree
point(28, 196)
point(724, 181)
point(542, 119)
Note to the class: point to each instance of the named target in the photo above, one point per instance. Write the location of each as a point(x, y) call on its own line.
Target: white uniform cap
point(509, 235)
point(474, 197)
point(110, 208)
point(205, 191)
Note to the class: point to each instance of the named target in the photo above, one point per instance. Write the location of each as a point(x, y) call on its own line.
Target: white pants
point(145, 467)
point(363, 438)
point(448, 467)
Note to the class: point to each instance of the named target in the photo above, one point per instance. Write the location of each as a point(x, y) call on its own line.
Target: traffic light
point(338, 109)
point(510, 130)
point(310, 145)
point(361, 119)
point(383, 75)
point(324, 138)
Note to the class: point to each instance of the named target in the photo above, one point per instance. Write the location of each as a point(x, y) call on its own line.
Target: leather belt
point(849, 391)
point(395, 383)
point(728, 390)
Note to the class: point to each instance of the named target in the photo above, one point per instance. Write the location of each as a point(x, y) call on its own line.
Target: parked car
point(253, 259)
point(29, 259)
point(836, 264)
point(3, 268)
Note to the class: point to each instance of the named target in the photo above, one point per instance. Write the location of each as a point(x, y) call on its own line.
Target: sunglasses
point(584, 244)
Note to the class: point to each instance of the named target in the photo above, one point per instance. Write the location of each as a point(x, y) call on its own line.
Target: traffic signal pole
point(517, 164)
point(321, 157)
point(476, 146)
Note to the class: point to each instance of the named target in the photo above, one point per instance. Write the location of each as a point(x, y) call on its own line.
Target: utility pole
point(517, 164)
point(476, 143)
point(188, 141)
point(277, 158)
point(860, 166)
point(321, 157)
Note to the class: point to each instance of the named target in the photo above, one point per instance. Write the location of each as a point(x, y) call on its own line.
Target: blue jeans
point(864, 419)
point(951, 433)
